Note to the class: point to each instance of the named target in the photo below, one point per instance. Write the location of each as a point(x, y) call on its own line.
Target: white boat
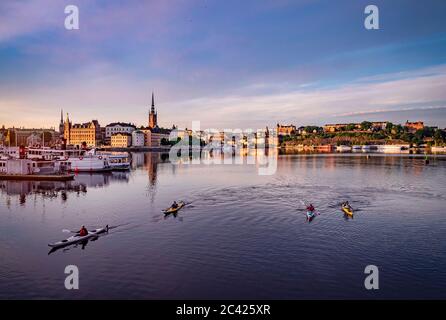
point(14, 166)
point(116, 160)
point(367, 148)
point(77, 238)
point(390, 148)
point(438, 149)
point(87, 163)
point(75, 159)
point(356, 148)
point(9, 152)
point(53, 154)
point(343, 148)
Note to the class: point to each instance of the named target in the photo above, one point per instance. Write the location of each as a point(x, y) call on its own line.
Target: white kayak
point(310, 214)
point(77, 238)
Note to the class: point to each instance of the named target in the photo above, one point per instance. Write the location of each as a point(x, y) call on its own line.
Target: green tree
point(366, 125)
point(312, 129)
point(350, 127)
point(439, 136)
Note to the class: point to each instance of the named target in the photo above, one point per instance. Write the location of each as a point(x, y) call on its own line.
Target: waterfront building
point(341, 127)
point(378, 125)
point(286, 130)
point(414, 126)
point(29, 137)
point(34, 140)
point(153, 136)
point(117, 127)
point(121, 140)
point(138, 138)
point(4, 136)
point(381, 125)
point(78, 134)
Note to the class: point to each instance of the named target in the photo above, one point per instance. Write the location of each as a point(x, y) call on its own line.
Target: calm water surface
point(242, 235)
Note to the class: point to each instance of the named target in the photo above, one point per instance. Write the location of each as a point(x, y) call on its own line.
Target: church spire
point(153, 121)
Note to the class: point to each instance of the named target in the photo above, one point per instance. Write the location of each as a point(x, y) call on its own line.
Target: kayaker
point(82, 232)
point(174, 205)
point(310, 208)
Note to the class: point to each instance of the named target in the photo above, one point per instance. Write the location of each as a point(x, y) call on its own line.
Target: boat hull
point(76, 239)
point(347, 211)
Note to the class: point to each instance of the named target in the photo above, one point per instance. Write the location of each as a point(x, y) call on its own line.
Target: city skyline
point(301, 62)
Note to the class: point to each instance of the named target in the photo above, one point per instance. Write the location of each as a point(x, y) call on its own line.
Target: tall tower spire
point(61, 127)
point(153, 121)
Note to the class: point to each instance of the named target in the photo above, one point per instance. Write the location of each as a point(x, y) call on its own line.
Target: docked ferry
point(116, 160)
point(76, 159)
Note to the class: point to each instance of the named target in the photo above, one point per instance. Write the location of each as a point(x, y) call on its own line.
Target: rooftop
point(122, 124)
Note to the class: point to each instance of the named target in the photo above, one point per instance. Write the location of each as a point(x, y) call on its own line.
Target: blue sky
point(229, 64)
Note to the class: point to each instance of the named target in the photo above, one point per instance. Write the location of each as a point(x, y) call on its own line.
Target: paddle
point(68, 231)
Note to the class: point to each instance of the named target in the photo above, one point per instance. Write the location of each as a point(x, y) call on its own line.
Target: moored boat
point(76, 160)
point(438, 149)
point(28, 169)
point(343, 148)
point(116, 160)
point(87, 163)
point(392, 148)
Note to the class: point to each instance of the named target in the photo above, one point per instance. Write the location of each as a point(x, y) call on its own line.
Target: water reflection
point(22, 190)
point(150, 163)
point(240, 227)
point(59, 189)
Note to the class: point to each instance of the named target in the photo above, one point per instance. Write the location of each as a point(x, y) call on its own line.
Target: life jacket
point(83, 232)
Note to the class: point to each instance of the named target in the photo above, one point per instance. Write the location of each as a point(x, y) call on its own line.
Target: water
point(242, 235)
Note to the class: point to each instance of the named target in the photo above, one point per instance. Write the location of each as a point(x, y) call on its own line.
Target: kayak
point(76, 238)
point(348, 211)
point(310, 214)
point(181, 204)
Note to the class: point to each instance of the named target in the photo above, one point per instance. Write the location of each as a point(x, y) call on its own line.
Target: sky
point(228, 64)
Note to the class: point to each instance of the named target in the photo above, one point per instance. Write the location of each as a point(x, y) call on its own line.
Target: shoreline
point(134, 149)
point(31, 177)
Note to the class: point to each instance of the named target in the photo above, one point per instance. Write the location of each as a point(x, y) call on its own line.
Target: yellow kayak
point(347, 211)
point(173, 210)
